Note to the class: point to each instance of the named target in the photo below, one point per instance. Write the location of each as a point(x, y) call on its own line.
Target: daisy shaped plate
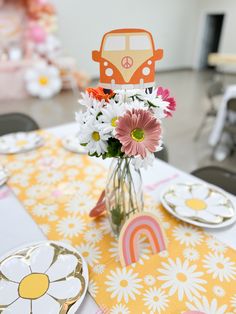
point(20, 142)
point(199, 204)
point(45, 277)
point(71, 143)
point(3, 175)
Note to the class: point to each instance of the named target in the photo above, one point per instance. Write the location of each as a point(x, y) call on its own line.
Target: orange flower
point(100, 93)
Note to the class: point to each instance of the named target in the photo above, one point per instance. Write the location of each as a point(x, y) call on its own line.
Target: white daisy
point(93, 235)
point(139, 162)
point(49, 177)
point(156, 300)
point(45, 228)
point(86, 100)
point(135, 104)
point(181, 278)
point(205, 306)
point(149, 280)
point(105, 225)
point(233, 302)
point(70, 226)
point(219, 291)
point(35, 191)
point(90, 253)
point(215, 245)
point(164, 254)
point(94, 138)
point(43, 80)
point(198, 201)
point(166, 225)
point(220, 267)
point(43, 210)
point(123, 284)
point(191, 254)
point(187, 235)
point(99, 269)
point(47, 277)
point(21, 179)
point(109, 116)
point(93, 288)
point(119, 309)
point(53, 217)
point(80, 203)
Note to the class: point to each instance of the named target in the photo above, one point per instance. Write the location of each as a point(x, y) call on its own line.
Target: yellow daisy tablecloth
point(58, 189)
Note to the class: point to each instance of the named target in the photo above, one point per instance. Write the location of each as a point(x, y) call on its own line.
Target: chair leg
point(200, 129)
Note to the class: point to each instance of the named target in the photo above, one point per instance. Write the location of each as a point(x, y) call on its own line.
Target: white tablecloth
point(26, 231)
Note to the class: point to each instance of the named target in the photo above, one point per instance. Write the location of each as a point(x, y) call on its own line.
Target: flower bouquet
point(124, 125)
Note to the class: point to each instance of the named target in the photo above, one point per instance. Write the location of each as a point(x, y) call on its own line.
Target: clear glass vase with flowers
point(124, 125)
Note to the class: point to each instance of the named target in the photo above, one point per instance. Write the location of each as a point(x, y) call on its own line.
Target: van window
point(140, 42)
point(113, 43)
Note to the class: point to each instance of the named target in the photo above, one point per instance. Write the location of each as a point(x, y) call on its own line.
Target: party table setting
point(92, 222)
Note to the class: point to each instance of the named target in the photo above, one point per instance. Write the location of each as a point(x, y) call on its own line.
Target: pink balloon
point(37, 34)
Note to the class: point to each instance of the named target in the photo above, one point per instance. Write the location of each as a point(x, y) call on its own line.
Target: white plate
point(20, 142)
point(51, 277)
point(3, 175)
point(71, 143)
point(226, 221)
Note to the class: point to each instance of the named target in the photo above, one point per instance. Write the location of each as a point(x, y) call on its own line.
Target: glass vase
point(124, 193)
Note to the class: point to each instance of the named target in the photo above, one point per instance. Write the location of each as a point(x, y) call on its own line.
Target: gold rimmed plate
point(45, 277)
point(20, 142)
point(71, 143)
point(199, 204)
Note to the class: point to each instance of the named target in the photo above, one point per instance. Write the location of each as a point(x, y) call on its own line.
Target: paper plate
point(20, 142)
point(72, 144)
point(3, 175)
point(45, 277)
point(199, 204)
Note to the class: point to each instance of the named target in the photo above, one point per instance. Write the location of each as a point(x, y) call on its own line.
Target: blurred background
point(199, 65)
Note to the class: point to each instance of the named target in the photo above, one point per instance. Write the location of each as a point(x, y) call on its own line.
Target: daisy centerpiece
point(124, 125)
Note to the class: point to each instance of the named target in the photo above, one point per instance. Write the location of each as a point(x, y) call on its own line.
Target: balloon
point(37, 34)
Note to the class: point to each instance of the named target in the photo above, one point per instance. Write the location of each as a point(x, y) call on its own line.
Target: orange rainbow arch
point(144, 223)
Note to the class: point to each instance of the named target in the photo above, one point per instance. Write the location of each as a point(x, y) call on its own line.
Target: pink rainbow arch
point(144, 223)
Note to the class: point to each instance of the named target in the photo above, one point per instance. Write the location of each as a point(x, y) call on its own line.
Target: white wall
point(172, 23)
point(176, 26)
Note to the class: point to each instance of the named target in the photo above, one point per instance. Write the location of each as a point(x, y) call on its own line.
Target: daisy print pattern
point(218, 291)
point(181, 278)
point(80, 203)
point(220, 267)
point(187, 235)
point(43, 210)
point(37, 284)
point(156, 300)
point(93, 236)
point(71, 226)
point(99, 269)
point(123, 284)
point(93, 288)
point(216, 246)
point(191, 254)
point(119, 309)
point(90, 253)
point(206, 306)
point(149, 280)
point(233, 302)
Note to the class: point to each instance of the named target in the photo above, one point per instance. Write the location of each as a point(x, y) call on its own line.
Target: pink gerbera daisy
point(139, 132)
point(165, 95)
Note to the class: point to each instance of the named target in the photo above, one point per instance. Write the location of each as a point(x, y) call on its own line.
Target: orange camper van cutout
point(127, 59)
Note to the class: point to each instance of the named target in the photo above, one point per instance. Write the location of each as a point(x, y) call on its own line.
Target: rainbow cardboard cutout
point(144, 223)
point(127, 59)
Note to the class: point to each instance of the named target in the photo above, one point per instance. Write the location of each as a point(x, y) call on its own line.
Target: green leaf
point(117, 216)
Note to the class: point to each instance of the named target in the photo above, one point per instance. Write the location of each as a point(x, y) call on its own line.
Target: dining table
point(17, 227)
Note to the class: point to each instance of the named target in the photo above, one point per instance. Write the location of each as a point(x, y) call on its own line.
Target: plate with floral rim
point(44, 277)
point(199, 204)
point(71, 143)
point(20, 142)
point(3, 175)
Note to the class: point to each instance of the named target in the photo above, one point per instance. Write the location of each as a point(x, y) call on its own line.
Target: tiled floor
point(189, 89)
